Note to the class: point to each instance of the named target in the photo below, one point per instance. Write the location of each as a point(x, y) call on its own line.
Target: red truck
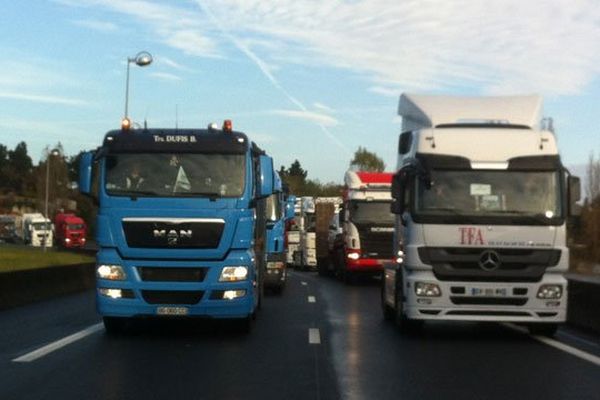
point(367, 224)
point(70, 230)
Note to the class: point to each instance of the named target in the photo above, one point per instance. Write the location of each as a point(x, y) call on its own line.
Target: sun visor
point(176, 141)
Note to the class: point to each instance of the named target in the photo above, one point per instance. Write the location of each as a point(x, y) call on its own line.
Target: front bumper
point(206, 306)
point(518, 303)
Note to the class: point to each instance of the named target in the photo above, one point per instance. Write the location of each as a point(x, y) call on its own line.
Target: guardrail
point(23, 287)
point(584, 301)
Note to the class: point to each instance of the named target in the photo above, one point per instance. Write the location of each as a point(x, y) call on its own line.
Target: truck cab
point(181, 224)
point(70, 230)
point(481, 199)
point(276, 221)
point(37, 230)
point(367, 225)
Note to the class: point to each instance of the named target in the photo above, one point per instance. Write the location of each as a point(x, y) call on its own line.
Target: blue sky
point(311, 80)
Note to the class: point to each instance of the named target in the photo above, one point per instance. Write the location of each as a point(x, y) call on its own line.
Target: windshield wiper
point(134, 193)
point(210, 195)
point(455, 211)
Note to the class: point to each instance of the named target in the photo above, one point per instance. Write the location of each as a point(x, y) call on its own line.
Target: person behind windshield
point(134, 179)
point(438, 196)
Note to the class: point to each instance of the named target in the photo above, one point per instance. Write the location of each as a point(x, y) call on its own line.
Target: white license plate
point(172, 311)
point(489, 292)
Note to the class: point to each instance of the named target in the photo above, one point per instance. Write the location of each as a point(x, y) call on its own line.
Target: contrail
point(266, 70)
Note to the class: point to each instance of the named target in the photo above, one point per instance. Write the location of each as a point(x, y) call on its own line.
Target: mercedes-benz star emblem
point(489, 260)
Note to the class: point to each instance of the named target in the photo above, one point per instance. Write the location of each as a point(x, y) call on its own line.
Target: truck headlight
point(111, 272)
point(425, 289)
point(233, 274)
point(353, 255)
point(550, 292)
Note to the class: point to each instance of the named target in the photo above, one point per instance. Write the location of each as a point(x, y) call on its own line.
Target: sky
point(306, 79)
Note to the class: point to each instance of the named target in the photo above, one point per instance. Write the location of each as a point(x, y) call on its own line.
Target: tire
point(115, 325)
point(543, 329)
point(388, 312)
point(244, 325)
point(404, 324)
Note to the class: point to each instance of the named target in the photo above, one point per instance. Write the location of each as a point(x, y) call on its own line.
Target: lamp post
point(49, 154)
point(141, 59)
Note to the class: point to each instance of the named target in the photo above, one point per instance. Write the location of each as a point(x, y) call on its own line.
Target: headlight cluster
point(426, 289)
point(234, 274)
point(111, 272)
point(549, 292)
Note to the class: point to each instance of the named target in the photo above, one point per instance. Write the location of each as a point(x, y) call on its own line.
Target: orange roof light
point(227, 125)
point(125, 124)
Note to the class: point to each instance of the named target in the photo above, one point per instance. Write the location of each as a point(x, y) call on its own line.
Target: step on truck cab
point(277, 215)
point(367, 225)
point(181, 224)
point(481, 201)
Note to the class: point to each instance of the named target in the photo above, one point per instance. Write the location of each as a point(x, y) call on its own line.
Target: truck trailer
point(481, 200)
point(189, 238)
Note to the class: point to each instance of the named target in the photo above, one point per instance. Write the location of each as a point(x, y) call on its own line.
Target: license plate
point(172, 311)
point(489, 292)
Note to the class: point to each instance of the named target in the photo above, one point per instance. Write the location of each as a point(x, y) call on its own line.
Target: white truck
point(481, 199)
point(305, 257)
point(35, 229)
point(293, 235)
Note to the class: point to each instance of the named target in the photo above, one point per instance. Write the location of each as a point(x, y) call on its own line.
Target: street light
point(141, 59)
point(54, 152)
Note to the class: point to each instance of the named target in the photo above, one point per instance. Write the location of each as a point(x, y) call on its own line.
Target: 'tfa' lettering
point(471, 236)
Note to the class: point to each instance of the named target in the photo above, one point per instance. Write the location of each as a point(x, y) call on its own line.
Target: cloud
point(180, 28)
point(499, 46)
point(100, 26)
point(321, 119)
point(323, 107)
point(171, 63)
point(38, 98)
point(385, 91)
point(165, 76)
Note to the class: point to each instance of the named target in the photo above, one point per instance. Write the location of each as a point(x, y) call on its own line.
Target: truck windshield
point(371, 212)
point(530, 196)
point(40, 226)
point(175, 175)
point(75, 227)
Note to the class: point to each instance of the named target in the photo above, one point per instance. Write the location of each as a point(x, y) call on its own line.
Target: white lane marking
point(314, 336)
point(49, 348)
point(312, 299)
point(557, 345)
point(578, 339)
point(303, 283)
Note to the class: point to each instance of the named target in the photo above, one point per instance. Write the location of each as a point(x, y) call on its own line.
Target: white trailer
point(481, 201)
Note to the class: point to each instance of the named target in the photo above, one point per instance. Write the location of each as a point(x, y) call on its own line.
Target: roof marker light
point(227, 125)
point(125, 124)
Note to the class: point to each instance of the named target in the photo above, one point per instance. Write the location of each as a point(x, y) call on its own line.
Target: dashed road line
point(557, 345)
point(49, 348)
point(312, 299)
point(314, 336)
point(303, 283)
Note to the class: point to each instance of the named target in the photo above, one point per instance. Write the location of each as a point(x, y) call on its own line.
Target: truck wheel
point(404, 324)
point(115, 325)
point(244, 325)
point(543, 329)
point(388, 312)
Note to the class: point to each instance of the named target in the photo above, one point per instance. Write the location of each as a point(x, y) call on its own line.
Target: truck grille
point(376, 244)
point(172, 296)
point(178, 234)
point(465, 264)
point(169, 274)
point(496, 301)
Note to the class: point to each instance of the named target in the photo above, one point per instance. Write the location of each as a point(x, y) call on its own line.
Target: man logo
point(172, 236)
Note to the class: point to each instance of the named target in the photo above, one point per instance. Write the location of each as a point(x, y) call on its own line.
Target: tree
point(365, 160)
point(18, 170)
point(592, 189)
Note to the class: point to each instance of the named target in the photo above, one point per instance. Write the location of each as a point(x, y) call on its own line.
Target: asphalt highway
point(320, 339)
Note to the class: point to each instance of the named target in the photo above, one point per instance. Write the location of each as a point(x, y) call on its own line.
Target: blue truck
point(181, 224)
point(277, 215)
